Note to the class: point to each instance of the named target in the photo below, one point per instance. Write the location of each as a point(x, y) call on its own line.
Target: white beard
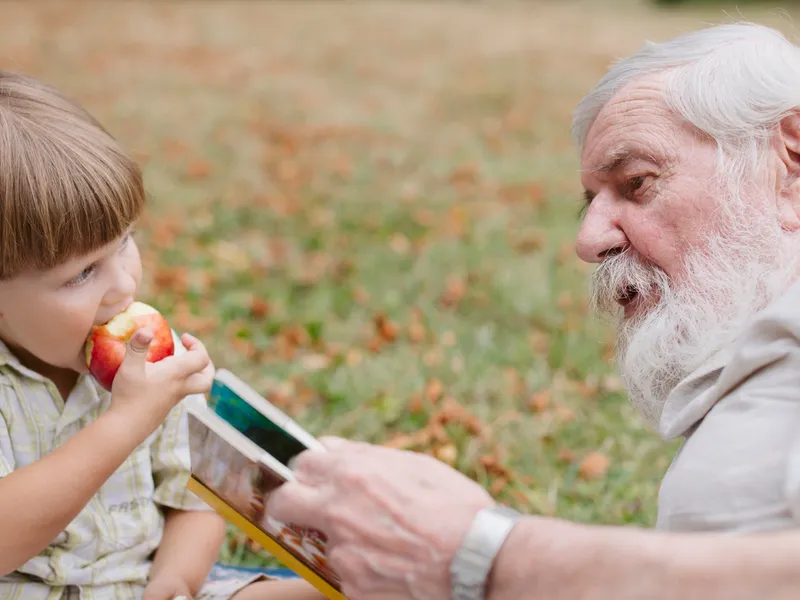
point(742, 267)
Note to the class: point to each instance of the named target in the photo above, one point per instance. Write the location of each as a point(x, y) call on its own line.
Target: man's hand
point(394, 519)
point(166, 587)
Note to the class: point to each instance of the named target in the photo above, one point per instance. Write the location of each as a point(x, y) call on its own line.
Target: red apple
point(105, 345)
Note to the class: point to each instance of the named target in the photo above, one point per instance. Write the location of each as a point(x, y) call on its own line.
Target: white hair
point(734, 82)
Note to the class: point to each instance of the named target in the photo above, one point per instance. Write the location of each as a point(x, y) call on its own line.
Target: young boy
point(93, 502)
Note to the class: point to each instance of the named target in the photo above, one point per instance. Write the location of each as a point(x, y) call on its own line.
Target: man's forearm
point(556, 560)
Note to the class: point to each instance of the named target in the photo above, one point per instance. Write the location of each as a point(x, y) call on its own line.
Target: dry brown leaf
point(494, 468)
point(353, 357)
point(386, 329)
point(360, 295)
point(433, 357)
point(416, 404)
point(454, 291)
point(198, 169)
point(434, 390)
point(416, 332)
point(567, 455)
point(259, 308)
point(539, 402)
point(594, 466)
point(447, 454)
point(400, 244)
point(497, 486)
point(564, 414)
point(564, 301)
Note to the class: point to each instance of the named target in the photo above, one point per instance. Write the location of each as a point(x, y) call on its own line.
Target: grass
point(367, 210)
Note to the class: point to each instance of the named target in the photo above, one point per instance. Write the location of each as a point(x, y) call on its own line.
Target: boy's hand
point(164, 587)
point(146, 391)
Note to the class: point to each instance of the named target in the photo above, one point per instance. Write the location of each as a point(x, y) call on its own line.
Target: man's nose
point(600, 232)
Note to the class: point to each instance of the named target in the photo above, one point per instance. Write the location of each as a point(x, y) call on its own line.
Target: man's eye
point(635, 183)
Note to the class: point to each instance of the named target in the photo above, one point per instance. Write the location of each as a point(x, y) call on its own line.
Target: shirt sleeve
point(7, 463)
point(171, 461)
point(170, 456)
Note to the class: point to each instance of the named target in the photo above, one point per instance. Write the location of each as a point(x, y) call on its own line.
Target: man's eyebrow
point(623, 157)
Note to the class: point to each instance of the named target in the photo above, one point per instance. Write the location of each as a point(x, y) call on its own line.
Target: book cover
point(235, 476)
point(258, 419)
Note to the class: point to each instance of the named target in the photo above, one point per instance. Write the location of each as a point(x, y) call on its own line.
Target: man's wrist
point(541, 558)
point(487, 533)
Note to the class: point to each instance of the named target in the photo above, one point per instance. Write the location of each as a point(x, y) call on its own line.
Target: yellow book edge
point(226, 510)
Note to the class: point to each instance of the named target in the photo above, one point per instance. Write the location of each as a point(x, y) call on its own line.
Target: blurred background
point(367, 211)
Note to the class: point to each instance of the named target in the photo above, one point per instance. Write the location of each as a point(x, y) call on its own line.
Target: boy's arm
point(189, 548)
point(39, 500)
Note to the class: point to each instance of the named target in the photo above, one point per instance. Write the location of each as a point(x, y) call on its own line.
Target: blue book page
point(228, 405)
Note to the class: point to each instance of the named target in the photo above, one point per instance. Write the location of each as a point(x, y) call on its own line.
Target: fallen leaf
point(454, 291)
point(416, 404)
point(386, 329)
point(400, 244)
point(539, 402)
point(466, 174)
point(360, 295)
point(497, 486)
point(567, 455)
point(564, 414)
point(315, 362)
point(434, 390)
point(353, 357)
point(259, 308)
point(198, 169)
point(594, 466)
point(447, 454)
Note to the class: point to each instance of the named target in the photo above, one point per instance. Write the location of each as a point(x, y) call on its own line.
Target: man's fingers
point(313, 466)
point(294, 502)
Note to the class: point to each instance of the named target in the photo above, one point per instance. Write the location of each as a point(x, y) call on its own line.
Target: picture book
point(239, 455)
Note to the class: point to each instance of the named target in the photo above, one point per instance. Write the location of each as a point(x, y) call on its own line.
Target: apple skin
point(106, 344)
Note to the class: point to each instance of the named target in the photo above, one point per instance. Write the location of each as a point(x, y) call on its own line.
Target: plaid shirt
point(106, 550)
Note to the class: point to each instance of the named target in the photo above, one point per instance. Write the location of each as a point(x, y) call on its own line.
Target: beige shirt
point(105, 550)
point(739, 467)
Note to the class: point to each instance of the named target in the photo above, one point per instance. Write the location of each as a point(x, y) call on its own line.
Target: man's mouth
point(629, 299)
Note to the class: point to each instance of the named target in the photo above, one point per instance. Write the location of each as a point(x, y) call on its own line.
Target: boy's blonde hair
point(66, 186)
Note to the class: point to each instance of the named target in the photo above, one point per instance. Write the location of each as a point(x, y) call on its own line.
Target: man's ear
point(788, 183)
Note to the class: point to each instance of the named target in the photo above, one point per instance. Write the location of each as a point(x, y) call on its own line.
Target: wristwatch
point(473, 561)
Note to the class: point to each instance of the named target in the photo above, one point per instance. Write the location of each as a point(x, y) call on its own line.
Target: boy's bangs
point(64, 192)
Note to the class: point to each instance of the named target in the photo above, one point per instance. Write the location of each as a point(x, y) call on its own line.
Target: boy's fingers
point(136, 350)
point(189, 363)
point(199, 383)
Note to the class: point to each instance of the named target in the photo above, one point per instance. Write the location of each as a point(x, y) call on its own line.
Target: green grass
point(317, 169)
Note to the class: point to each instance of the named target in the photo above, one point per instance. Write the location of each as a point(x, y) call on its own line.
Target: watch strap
point(472, 563)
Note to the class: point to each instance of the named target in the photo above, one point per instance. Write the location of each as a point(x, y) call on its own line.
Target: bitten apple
point(106, 344)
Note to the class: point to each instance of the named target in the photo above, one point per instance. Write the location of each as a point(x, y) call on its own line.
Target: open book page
point(234, 469)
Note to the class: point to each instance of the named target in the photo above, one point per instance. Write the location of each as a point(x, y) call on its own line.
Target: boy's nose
point(122, 291)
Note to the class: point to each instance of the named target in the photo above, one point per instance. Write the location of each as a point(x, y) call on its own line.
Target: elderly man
point(690, 155)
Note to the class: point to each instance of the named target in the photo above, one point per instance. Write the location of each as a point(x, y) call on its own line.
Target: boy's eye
point(82, 276)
